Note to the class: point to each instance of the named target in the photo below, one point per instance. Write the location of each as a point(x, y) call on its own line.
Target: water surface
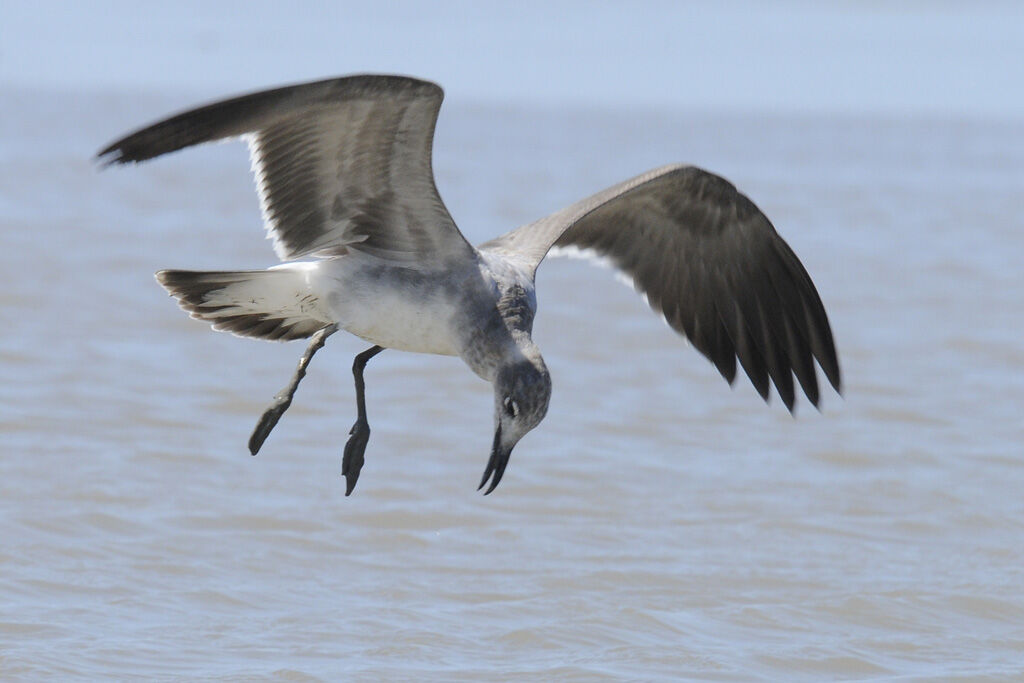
point(657, 525)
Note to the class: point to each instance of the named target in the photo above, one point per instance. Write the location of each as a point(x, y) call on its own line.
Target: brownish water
point(658, 525)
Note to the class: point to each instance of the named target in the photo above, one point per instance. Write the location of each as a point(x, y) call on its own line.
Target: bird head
point(522, 389)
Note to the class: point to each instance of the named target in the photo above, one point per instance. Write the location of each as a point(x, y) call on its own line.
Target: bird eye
point(511, 407)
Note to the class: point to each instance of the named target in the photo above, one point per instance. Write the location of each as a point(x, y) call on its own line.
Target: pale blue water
point(658, 525)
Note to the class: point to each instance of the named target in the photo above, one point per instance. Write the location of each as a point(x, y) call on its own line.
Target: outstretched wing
point(340, 164)
point(710, 262)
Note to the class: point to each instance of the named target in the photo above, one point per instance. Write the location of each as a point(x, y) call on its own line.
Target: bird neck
point(516, 307)
point(512, 347)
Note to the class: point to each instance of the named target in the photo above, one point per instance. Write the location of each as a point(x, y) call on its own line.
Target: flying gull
point(343, 169)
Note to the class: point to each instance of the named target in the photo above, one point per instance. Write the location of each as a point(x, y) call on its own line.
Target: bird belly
point(395, 323)
point(396, 308)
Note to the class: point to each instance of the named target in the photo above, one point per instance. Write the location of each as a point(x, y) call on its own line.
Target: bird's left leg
point(283, 399)
point(352, 461)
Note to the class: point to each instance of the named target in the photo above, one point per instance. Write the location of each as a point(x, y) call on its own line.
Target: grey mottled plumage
point(343, 169)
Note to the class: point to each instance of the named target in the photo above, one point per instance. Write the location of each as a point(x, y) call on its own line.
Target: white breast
point(396, 308)
point(396, 323)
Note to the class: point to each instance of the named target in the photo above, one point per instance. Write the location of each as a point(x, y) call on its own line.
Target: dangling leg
point(352, 462)
point(283, 399)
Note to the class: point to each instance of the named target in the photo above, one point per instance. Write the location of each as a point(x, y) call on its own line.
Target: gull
point(347, 192)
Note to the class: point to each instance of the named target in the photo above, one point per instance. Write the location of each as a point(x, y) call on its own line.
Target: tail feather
point(275, 304)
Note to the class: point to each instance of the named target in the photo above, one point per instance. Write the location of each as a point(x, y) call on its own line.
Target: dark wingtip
point(813, 393)
point(827, 355)
point(108, 157)
point(832, 373)
point(836, 380)
point(788, 399)
point(837, 385)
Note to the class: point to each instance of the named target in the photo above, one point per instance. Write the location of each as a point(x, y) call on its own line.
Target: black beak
point(496, 465)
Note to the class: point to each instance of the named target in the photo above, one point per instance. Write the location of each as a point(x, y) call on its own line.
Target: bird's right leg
point(283, 399)
point(352, 462)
